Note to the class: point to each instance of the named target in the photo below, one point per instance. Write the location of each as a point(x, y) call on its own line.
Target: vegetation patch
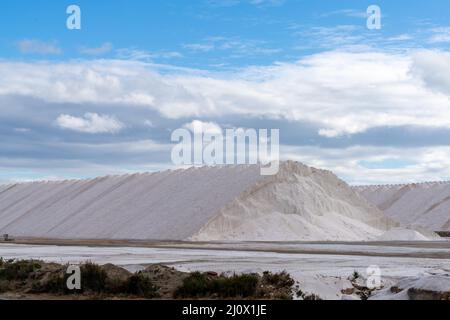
point(268, 286)
point(19, 270)
point(37, 278)
point(93, 277)
point(140, 285)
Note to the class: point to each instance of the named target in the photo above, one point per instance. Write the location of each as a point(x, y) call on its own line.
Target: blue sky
point(211, 33)
point(371, 105)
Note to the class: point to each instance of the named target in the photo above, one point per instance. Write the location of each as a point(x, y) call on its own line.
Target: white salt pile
point(424, 205)
point(407, 235)
point(170, 205)
point(209, 203)
point(300, 203)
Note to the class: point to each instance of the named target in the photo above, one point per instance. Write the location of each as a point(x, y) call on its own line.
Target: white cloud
point(204, 47)
point(433, 67)
point(149, 123)
point(426, 163)
point(440, 35)
point(205, 127)
point(400, 37)
point(91, 123)
point(347, 12)
point(339, 36)
point(39, 47)
point(266, 2)
point(341, 92)
point(103, 49)
point(257, 3)
point(236, 46)
point(22, 130)
point(142, 55)
point(167, 55)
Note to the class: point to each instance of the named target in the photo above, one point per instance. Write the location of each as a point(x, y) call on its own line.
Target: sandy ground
point(321, 268)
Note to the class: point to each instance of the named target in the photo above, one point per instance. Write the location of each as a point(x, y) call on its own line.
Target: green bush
point(139, 285)
point(199, 285)
point(55, 284)
point(18, 270)
point(279, 280)
point(236, 286)
point(93, 278)
point(195, 285)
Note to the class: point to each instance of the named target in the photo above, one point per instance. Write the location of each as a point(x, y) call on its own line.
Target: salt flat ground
point(320, 268)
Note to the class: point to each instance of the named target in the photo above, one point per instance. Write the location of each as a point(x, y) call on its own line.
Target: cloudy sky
point(371, 105)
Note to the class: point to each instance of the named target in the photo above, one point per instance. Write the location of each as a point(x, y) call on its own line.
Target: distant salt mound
point(425, 205)
point(400, 234)
point(209, 203)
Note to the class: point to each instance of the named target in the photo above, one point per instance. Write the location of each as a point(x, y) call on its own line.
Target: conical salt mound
point(299, 203)
point(209, 203)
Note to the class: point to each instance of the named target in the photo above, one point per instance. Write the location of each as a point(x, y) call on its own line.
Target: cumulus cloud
point(338, 109)
point(91, 123)
point(343, 93)
point(433, 67)
point(30, 46)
